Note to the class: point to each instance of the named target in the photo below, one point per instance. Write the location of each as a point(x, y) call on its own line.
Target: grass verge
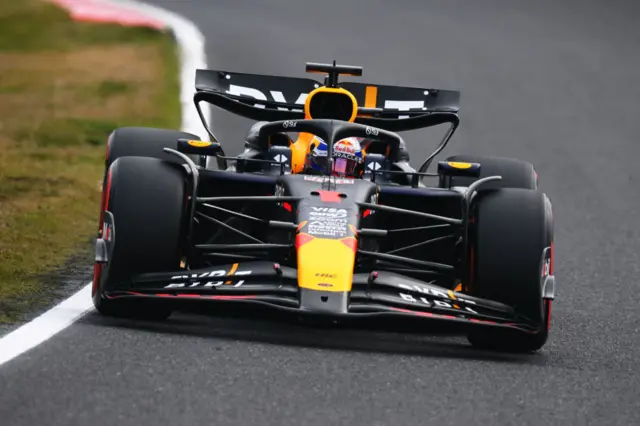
point(64, 86)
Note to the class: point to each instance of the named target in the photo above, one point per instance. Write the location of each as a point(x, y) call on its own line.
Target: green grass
point(32, 25)
point(64, 86)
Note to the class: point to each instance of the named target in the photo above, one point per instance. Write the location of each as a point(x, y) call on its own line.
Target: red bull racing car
point(323, 216)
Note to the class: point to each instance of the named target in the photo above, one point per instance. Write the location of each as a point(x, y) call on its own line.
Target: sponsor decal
point(325, 275)
point(425, 290)
point(348, 149)
point(430, 291)
point(545, 268)
point(328, 222)
point(437, 303)
point(257, 94)
point(204, 279)
point(546, 265)
point(107, 231)
point(348, 156)
point(278, 96)
point(199, 144)
point(424, 301)
point(328, 227)
point(329, 179)
point(330, 212)
point(346, 146)
point(404, 106)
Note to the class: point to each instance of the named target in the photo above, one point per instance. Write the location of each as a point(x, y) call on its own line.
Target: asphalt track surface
point(548, 81)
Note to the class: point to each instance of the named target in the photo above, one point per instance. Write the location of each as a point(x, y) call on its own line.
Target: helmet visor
point(343, 166)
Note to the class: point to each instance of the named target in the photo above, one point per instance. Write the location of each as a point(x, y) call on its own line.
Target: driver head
point(347, 157)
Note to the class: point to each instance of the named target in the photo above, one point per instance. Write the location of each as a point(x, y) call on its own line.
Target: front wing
point(374, 294)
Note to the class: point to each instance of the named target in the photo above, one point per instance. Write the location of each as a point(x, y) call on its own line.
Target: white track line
point(192, 56)
point(46, 325)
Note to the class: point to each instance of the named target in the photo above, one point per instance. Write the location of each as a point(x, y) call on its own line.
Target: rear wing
point(273, 98)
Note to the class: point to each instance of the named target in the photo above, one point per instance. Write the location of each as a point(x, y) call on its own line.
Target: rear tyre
point(146, 197)
point(512, 230)
point(515, 173)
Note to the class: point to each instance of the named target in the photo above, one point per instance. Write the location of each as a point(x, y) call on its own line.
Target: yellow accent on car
point(325, 265)
point(371, 97)
point(199, 144)
point(335, 91)
point(459, 165)
point(299, 151)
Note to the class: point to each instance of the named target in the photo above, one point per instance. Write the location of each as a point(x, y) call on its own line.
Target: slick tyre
point(146, 197)
point(145, 142)
point(511, 237)
point(515, 173)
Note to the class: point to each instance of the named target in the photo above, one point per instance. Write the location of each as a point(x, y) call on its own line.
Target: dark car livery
point(182, 222)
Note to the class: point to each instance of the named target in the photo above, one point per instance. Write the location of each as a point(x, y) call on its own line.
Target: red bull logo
point(346, 146)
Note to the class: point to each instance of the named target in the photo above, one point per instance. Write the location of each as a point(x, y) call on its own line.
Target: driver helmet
point(347, 156)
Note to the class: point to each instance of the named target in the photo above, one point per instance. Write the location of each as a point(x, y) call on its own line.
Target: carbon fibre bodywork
point(261, 232)
point(279, 212)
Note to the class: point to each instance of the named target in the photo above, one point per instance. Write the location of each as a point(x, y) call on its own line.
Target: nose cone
point(326, 239)
point(325, 264)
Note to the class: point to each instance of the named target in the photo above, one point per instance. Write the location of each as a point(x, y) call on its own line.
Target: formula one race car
point(323, 216)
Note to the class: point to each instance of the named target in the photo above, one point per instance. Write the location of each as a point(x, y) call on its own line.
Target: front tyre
point(515, 173)
point(146, 142)
point(146, 197)
point(512, 239)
